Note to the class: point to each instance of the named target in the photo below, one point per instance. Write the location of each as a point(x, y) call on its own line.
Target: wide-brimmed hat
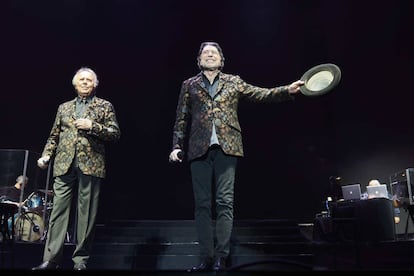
point(320, 79)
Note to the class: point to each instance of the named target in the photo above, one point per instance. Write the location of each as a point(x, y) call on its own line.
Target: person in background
point(13, 194)
point(375, 182)
point(208, 104)
point(77, 146)
point(372, 183)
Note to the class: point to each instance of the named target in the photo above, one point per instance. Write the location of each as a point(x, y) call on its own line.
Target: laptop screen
point(377, 191)
point(352, 191)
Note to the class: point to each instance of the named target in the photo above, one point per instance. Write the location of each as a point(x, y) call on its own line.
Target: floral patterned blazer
point(197, 111)
point(89, 145)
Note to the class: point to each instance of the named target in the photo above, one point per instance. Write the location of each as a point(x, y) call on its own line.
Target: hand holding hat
point(320, 79)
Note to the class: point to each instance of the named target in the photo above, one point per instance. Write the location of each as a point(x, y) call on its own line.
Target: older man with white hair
point(77, 145)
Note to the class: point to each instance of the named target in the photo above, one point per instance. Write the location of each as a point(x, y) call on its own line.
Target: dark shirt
point(211, 88)
point(81, 105)
point(10, 193)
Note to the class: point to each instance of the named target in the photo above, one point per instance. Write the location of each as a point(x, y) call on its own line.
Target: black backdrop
point(143, 50)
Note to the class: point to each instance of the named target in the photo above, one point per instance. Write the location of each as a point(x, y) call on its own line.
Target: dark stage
point(261, 246)
point(143, 50)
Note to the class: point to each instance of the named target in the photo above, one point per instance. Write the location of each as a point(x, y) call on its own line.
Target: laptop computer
point(351, 192)
point(377, 191)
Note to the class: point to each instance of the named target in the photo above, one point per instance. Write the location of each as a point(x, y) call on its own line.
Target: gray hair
point(22, 179)
point(87, 69)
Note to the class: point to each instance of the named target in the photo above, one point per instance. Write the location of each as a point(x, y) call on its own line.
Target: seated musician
point(11, 194)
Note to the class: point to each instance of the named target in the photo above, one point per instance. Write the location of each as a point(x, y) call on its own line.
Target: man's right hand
point(43, 162)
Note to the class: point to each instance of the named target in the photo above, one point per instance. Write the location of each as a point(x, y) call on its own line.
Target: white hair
point(82, 69)
point(374, 182)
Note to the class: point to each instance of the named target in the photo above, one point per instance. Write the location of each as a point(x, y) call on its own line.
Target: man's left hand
point(294, 87)
point(84, 124)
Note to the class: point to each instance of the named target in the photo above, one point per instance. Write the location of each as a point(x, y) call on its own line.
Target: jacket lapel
point(220, 84)
point(200, 83)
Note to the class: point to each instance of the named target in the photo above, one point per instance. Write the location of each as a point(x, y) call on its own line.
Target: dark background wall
point(143, 50)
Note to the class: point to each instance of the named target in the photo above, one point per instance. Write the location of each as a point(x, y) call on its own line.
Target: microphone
point(180, 155)
point(42, 161)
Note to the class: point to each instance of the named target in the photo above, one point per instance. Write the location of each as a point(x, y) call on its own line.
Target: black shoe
point(205, 265)
point(219, 264)
point(81, 266)
point(46, 266)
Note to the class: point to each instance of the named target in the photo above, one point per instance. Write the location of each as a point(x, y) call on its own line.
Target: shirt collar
point(87, 99)
point(205, 80)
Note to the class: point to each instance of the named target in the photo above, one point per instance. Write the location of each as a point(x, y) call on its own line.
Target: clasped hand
point(84, 124)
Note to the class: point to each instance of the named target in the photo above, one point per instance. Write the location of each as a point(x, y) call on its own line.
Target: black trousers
point(218, 169)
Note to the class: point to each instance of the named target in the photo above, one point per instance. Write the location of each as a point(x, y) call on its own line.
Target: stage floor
point(258, 247)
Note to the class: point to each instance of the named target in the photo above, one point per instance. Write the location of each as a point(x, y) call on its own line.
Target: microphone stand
point(46, 208)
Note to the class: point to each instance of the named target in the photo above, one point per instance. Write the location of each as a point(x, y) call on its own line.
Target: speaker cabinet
point(401, 184)
point(402, 189)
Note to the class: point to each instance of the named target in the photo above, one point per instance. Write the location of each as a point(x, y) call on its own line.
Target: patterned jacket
point(65, 140)
point(197, 111)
